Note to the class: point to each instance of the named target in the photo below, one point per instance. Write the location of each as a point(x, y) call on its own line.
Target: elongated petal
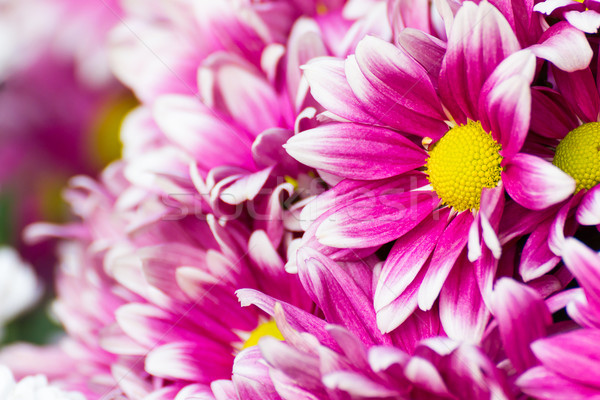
point(406, 259)
point(357, 384)
point(463, 312)
point(584, 263)
point(535, 183)
point(427, 50)
point(450, 246)
point(355, 151)
point(544, 384)
point(587, 21)
point(480, 39)
point(565, 46)
point(297, 318)
point(399, 84)
point(329, 86)
point(398, 310)
point(196, 130)
point(254, 105)
point(588, 212)
point(304, 44)
point(537, 259)
point(573, 355)
point(246, 188)
point(550, 114)
point(374, 221)
point(341, 300)
point(348, 190)
point(183, 360)
point(505, 103)
point(580, 91)
point(250, 376)
point(522, 318)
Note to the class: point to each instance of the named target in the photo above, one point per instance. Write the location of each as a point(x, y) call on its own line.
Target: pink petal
point(522, 318)
point(395, 88)
point(354, 151)
point(448, 249)
point(246, 188)
point(535, 183)
point(255, 105)
point(328, 85)
point(427, 50)
point(550, 114)
point(398, 310)
point(304, 44)
point(537, 259)
point(404, 262)
point(574, 355)
point(505, 102)
point(463, 312)
point(196, 130)
point(357, 384)
point(480, 39)
point(334, 291)
point(374, 221)
point(544, 384)
point(587, 21)
point(565, 46)
point(584, 263)
point(588, 212)
point(580, 90)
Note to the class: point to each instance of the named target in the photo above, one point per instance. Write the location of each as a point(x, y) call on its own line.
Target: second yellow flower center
point(578, 154)
point(462, 163)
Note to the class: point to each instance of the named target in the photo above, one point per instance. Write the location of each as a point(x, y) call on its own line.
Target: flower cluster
point(329, 199)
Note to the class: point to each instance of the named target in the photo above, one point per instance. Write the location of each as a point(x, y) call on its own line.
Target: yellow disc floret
point(578, 154)
point(462, 163)
point(268, 328)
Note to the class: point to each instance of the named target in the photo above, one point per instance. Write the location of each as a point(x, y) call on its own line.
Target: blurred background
point(60, 114)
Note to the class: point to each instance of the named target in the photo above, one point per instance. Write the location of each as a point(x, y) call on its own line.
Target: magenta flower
point(566, 130)
point(160, 311)
point(482, 87)
point(216, 142)
point(346, 355)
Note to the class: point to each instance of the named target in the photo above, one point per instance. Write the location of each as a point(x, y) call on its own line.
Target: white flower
point(31, 388)
point(19, 285)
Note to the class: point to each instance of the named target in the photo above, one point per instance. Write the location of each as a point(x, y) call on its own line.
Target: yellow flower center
point(462, 163)
point(268, 328)
point(578, 154)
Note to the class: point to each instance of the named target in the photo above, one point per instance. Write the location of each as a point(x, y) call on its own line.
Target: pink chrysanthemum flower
point(346, 355)
point(566, 132)
point(441, 200)
point(217, 146)
point(160, 310)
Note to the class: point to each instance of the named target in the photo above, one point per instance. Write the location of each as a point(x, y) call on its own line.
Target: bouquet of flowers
point(329, 199)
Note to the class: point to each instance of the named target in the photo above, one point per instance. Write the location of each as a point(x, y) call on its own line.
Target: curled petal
point(535, 183)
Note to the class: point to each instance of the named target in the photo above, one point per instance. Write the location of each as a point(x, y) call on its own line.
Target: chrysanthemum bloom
point(87, 298)
point(439, 200)
point(159, 310)
point(220, 141)
point(346, 355)
point(582, 14)
point(32, 388)
point(569, 361)
point(567, 133)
